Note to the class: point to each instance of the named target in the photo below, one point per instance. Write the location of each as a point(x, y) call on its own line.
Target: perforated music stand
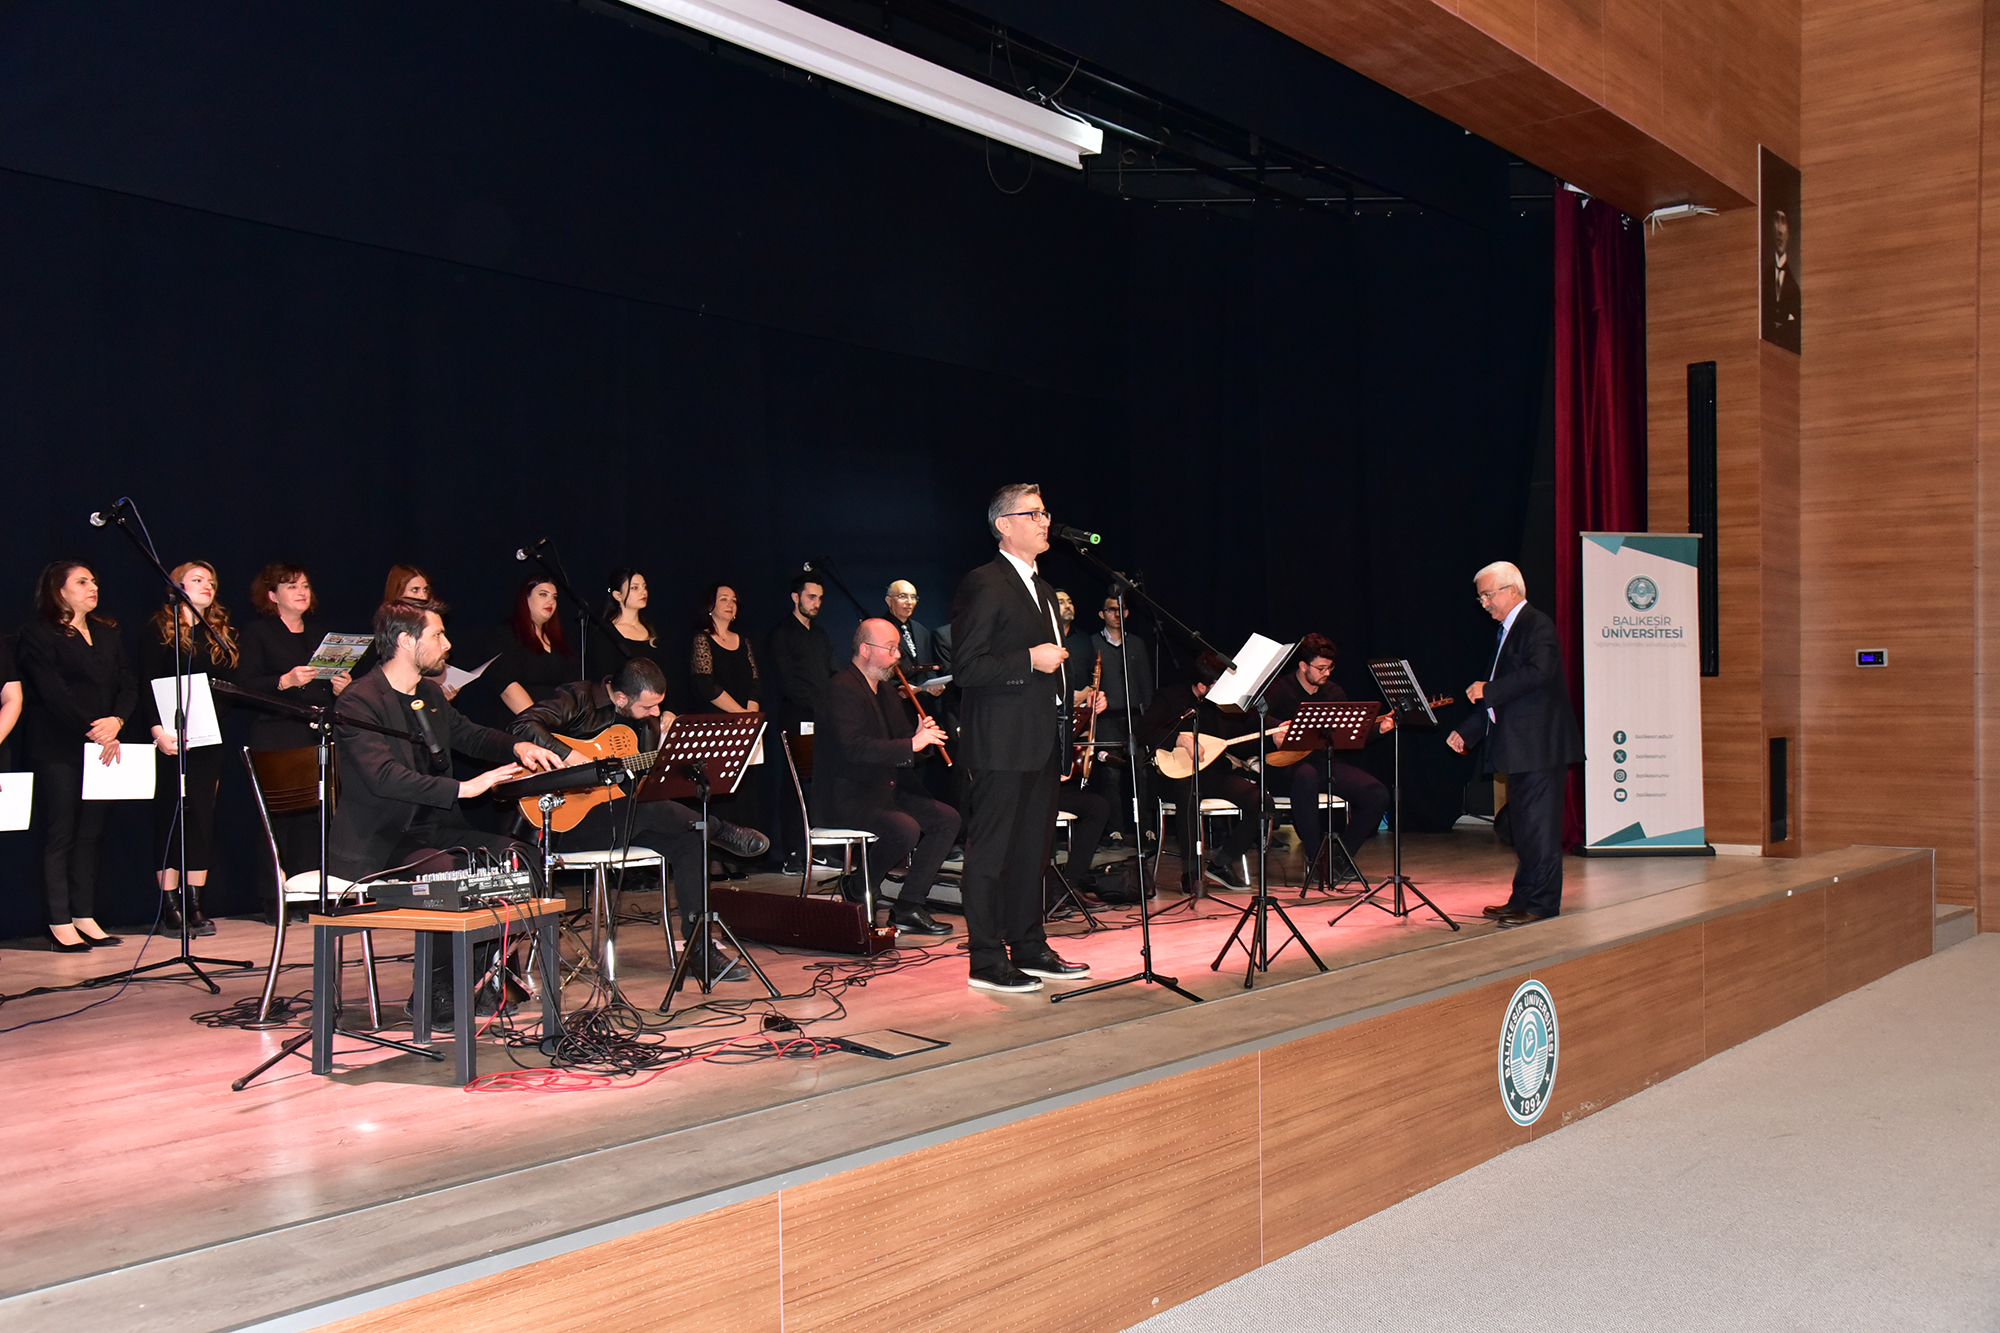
point(1412, 708)
point(1337, 724)
point(704, 753)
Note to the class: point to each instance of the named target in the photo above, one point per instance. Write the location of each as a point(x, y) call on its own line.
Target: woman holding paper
point(179, 645)
point(80, 691)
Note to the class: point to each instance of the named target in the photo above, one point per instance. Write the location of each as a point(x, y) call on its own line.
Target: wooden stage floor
point(145, 1194)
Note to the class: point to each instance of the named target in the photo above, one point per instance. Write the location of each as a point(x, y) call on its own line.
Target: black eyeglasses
point(1041, 514)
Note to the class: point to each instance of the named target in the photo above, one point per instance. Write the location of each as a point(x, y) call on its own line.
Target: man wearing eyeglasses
point(1007, 659)
point(865, 776)
point(917, 647)
point(1524, 709)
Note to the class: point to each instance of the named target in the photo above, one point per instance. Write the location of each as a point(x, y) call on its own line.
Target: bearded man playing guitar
point(620, 717)
point(1367, 799)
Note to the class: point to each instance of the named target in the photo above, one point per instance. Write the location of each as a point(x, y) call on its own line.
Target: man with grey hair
point(1007, 657)
point(1524, 710)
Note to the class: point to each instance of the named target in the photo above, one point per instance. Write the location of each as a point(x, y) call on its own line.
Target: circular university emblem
point(1528, 1053)
point(1642, 592)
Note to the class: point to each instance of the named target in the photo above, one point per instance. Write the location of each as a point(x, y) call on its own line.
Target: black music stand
point(704, 752)
point(1411, 708)
point(1331, 724)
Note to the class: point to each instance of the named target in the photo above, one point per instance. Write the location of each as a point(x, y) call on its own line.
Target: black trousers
point(668, 827)
point(204, 778)
point(1093, 811)
point(1536, 800)
point(72, 836)
point(1367, 801)
point(1217, 782)
point(447, 842)
point(918, 827)
point(1007, 838)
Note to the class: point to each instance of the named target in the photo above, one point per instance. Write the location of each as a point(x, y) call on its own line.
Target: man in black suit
point(864, 763)
point(1007, 658)
point(1525, 709)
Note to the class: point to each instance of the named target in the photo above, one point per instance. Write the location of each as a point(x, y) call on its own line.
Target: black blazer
point(70, 684)
point(387, 781)
point(1536, 727)
point(860, 738)
point(269, 651)
point(1012, 715)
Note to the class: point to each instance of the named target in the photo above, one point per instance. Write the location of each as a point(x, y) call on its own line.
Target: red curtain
point(1600, 413)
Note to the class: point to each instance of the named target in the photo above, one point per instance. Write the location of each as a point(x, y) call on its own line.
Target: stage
point(1057, 1166)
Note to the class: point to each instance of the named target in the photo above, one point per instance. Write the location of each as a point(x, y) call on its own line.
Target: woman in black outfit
point(276, 648)
point(723, 668)
point(10, 703)
point(533, 652)
point(177, 643)
point(81, 689)
point(626, 594)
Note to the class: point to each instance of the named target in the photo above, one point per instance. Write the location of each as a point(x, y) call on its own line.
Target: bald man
point(919, 654)
point(1524, 709)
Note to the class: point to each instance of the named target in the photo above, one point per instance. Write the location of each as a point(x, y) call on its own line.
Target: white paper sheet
point(456, 680)
point(202, 724)
point(130, 779)
point(1255, 661)
point(17, 798)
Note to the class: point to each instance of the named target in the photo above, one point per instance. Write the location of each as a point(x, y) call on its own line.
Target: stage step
point(1956, 923)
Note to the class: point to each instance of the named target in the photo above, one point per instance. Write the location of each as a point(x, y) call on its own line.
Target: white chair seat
point(604, 857)
point(834, 837)
point(1325, 802)
point(304, 887)
point(1065, 817)
point(1210, 805)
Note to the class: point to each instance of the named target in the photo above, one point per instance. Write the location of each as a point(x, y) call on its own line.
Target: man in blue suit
point(1525, 709)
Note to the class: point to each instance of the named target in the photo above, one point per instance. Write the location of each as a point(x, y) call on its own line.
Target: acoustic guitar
point(584, 787)
point(1286, 758)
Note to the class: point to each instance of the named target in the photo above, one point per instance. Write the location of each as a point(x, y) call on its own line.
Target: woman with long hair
point(406, 583)
point(532, 651)
point(723, 668)
point(177, 643)
point(626, 594)
point(80, 691)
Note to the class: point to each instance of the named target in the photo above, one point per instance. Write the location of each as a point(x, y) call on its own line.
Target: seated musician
point(1367, 799)
point(631, 697)
point(1163, 726)
point(864, 775)
point(398, 805)
point(1090, 804)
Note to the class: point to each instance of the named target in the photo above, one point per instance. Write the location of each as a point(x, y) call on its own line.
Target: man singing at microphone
point(1007, 655)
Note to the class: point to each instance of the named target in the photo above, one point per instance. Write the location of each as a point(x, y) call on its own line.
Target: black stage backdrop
point(368, 282)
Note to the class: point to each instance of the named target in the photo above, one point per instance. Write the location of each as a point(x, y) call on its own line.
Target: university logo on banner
point(1528, 1049)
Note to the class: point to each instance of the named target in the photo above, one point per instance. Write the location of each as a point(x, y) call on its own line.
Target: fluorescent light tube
point(807, 42)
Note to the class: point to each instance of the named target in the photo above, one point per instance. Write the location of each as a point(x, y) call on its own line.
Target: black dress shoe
point(101, 941)
point(1002, 977)
point(1509, 920)
point(914, 920)
point(721, 967)
point(1497, 910)
point(57, 946)
point(1227, 872)
point(747, 843)
point(1046, 964)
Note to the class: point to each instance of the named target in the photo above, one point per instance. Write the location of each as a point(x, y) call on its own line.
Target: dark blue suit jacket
point(1535, 727)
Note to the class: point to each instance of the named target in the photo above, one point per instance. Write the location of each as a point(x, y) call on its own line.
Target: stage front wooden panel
point(1092, 1215)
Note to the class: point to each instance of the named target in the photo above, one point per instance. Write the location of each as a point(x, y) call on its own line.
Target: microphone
point(528, 552)
point(424, 725)
point(1077, 536)
point(100, 517)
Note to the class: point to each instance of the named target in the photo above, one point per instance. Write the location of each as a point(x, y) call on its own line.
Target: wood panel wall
point(1889, 478)
point(1987, 735)
point(1092, 1217)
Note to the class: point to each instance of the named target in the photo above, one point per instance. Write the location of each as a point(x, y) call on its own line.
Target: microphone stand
point(186, 957)
point(1145, 974)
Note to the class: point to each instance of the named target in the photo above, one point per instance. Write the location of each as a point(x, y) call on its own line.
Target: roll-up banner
point(1641, 695)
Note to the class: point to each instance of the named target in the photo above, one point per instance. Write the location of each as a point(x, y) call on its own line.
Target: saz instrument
point(1286, 758)
point(584, 786)
point(1083, 718)
point(1174, 763)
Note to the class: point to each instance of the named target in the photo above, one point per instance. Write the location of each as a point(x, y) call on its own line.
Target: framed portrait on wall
point(1778, 251)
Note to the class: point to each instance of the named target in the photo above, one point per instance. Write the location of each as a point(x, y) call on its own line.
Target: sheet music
point(457, 680)
point(130, 778)
point(17, 801)
point(1255, 661)
point(203, 727)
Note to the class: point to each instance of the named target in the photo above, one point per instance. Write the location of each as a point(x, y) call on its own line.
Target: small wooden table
point(465, 929)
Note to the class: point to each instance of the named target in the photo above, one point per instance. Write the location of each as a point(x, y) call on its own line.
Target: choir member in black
point(631, 696)
point(865, 764)
point(1311, 679)
point(398, 807)
point(176, 639)
point(1008, 661)
point(10, 703)
point(632, 633)
point(1163, 726)
point(276, 647)
point(1118, 653)
point(802, 660)
point(918, 653)
point(722, 667)
point(80, 690)
point(405, 583)
point(532, 653)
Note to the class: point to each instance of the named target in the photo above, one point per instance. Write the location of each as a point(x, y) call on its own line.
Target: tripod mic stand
point(121, 515)
point(1145, 974)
